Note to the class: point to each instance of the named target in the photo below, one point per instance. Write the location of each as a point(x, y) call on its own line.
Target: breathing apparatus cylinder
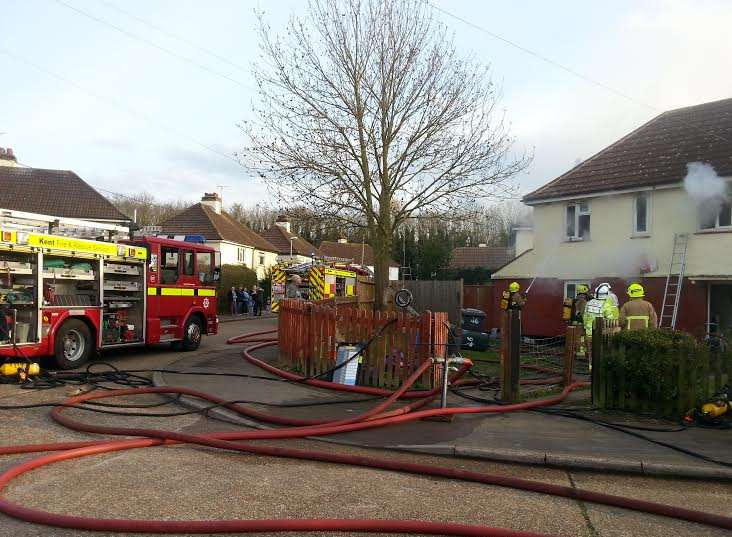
point(505, 300)
point(568, 309)
point(715, 409)
point(20, 368)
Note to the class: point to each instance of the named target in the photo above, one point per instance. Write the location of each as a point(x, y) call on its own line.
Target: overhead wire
point(117, 104)
point(567, 69)
point(153, 44)
point(177, 37)
point(543, 58)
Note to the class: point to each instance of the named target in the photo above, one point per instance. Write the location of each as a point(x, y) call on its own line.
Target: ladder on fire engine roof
point(43, 223)
point(674, 282)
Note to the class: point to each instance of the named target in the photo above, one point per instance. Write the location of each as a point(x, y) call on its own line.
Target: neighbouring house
point(483, 257)
point(235, 242)
point(290, 246)
point(57, 193)
point(474, 265)
point(357, 252)
point(615, 216)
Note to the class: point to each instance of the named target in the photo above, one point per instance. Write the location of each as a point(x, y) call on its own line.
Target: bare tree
point(368, 116)
point(497, 222)
point(148, 210)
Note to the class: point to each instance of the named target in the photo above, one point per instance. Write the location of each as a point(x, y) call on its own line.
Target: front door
point(720, 308)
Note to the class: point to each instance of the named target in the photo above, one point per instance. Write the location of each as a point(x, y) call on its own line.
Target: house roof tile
point(654, 154)
point(200, 219)
point(360, 253)
point(59, 193)
point(487, 257)
point(280, 238)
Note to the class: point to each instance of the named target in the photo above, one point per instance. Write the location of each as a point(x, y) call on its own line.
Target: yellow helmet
point(635, 290)
point(514, 287)
point(582, 288)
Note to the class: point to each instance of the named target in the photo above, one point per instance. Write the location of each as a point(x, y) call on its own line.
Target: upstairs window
point(578, 221)
point(717, 215)
point(641, 214)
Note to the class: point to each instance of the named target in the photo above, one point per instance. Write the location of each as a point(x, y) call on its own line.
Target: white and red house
point(614, 218)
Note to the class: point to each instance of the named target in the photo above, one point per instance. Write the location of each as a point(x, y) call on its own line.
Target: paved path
point(527, 437)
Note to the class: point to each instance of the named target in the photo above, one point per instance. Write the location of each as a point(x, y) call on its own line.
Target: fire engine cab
point(68, 297)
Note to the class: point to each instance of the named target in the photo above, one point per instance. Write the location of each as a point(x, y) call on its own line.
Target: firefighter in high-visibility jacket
point(602, 306)
point(574, 308)
point(637, 313)
point(573, 311)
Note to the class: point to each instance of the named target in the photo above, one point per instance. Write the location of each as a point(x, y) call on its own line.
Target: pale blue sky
point(664, 53)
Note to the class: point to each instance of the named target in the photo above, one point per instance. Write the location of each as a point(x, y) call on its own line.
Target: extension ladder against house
point(674, 282)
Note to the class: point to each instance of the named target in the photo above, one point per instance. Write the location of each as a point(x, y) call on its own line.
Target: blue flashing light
point(195, 238)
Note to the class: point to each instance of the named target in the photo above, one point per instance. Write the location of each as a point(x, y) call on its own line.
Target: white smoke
point(703, 184)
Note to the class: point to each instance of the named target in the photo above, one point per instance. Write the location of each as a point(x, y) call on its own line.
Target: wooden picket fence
point(309, 334)
point(687, 381)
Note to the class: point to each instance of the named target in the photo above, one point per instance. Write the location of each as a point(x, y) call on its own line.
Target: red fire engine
point(68, 297)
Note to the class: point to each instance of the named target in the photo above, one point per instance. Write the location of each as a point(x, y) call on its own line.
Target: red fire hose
point(376, 417)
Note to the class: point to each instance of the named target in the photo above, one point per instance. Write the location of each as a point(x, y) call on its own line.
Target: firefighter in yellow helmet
point(579, 302)
point(602, 306)
point(573, 311)
point(511, 298)
point(516, 300)
point(637, 313)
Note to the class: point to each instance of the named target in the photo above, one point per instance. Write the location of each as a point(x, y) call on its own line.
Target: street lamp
point(291, 239)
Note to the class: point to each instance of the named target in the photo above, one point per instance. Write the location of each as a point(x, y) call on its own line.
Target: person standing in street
point(637, 313)
point(259, 301)
point(250, 302)
point(233, 301)
point(253, 295)
point(243, 297)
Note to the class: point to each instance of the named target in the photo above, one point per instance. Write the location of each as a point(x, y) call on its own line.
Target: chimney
point(343, 241)
point(283, 222)
point(7, 158)
point(213, 200)
point(523, 239)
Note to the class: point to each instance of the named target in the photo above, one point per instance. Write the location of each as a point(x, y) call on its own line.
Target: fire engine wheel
point(73, 344)
point(192, 335)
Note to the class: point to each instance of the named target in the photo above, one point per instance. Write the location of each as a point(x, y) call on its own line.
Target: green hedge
point(658, 371)
point(233, 275)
